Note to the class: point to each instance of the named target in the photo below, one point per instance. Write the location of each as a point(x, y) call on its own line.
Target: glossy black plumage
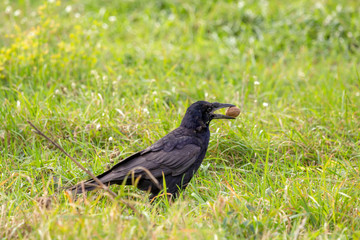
point(177, 156)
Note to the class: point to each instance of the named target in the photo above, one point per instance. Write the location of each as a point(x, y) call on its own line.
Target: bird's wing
point(170, 155)
point(174, 162)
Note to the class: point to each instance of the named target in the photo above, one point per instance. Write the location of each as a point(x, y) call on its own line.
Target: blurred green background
point(108, 78)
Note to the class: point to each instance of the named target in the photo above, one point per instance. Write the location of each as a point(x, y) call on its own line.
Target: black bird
point(176, 157)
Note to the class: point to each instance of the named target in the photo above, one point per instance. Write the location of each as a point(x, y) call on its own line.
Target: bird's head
point(199, 115)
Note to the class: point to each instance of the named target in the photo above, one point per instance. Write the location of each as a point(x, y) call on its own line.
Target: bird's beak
point(218, 106)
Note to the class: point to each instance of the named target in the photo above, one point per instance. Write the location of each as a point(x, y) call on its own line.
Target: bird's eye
point(209, 109)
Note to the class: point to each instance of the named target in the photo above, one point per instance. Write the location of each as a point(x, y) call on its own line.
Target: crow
point(173, 159)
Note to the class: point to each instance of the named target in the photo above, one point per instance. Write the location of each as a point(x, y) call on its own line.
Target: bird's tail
point(107, 178)
point(83, 187)
point(90, 185)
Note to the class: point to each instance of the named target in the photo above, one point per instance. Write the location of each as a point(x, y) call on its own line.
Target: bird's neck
point(195, 125)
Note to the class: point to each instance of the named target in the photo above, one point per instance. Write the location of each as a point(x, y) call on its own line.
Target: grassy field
point(108, 78)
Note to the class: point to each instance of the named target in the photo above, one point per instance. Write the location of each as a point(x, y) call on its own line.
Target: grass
point(108, 78)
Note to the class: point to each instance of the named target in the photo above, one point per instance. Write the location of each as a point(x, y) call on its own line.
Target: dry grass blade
point(152, 178)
